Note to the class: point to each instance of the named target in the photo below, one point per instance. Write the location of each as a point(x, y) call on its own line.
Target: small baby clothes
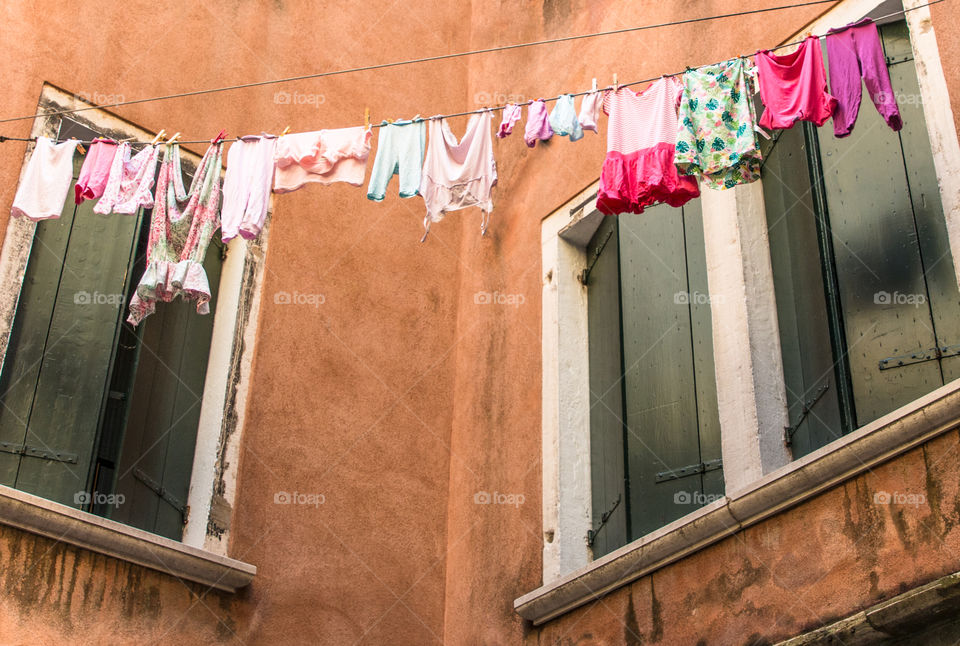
point(511, 114)
point(794, 87)
point(563, 119)
point(538, 125)
point(457, 175)
point(639, 168)
point(717, 138)
point(400, 149)
point(323, 156)
point(246, 187)
point(130, 182)
point(590, 111)
point(180, 231)
point(46, 182)
point(854, 51)
point(95, 170)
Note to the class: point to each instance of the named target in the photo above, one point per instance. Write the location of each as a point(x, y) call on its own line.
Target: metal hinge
point(919, 357)
point(592, 533)
point(807, 406)
point(690, 470)
point(34, 452)
point(585, 274)
point(165, 495)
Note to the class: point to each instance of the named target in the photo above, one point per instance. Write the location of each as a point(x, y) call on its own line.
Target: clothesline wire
point(456, 55)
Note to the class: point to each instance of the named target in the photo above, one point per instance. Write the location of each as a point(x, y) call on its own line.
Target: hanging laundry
point(180, 231)
point(538, 125)
point(246, 186)
point(590, 111)
point(43, 189)
point(563, 119)
point(400, 149)
point(130, 182)
point(324, 156)
point(793, 87)
point(95, 170)
point(716, 137)
point(852, 51)
point(639, 169)
point(457, 175)
point(511, 114)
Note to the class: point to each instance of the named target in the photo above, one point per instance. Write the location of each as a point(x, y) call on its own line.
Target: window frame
point(565, 233)
point(220, 429)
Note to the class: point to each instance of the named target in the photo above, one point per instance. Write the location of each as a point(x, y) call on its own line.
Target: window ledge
point(845, 458)
point(65, 524)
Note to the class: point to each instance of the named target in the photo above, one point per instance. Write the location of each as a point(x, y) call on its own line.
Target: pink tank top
point(794, 87)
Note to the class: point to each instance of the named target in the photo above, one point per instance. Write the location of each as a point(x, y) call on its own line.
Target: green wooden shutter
point(153, 473)
point(59, 354)
point(606, 392)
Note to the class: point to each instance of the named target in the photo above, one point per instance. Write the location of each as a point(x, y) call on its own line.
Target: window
point(867, 297)
point(654, 427)
point(97, 414)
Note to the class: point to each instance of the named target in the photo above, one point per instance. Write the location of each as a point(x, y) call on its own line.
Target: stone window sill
point(65, 524)
point(843, 459)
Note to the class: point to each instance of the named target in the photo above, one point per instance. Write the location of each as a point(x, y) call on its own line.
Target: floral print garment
point(180, 231)
point(716, 137)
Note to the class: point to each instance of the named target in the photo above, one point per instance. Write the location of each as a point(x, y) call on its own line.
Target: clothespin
point(366, 117)
point(173, 138)
point(593, 87)
point(158, 137)
point(220, 137)
point(80, 148)
point(285, 131)
point(616, 85)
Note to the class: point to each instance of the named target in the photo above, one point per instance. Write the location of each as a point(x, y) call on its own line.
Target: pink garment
point(590, 111)
point(538, 124)
point(794, 86)
point(46, 182)
point(641, 135)
point(130, 182)
point(324, 156)
point(457, 175)
point(95, 170)
point(511, 114)
point(246, 187)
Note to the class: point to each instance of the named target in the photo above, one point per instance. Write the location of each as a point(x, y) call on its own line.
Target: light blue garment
point(399, 152)
point(563, 119)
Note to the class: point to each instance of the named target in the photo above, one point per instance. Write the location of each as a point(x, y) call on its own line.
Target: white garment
point(590, 110)
point(457, 175)
point(43, 189)
point(130, 182)
point(246, 187)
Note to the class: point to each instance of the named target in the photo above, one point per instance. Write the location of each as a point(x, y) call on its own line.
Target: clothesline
point(368, 68)
point(4, 138)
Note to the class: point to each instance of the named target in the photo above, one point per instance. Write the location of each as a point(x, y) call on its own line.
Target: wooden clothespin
point(173, 138)
point(285, 131)
point(593, 86)
point(80, 148)
point(616, 84)
point(366, 117)
point(159, 137)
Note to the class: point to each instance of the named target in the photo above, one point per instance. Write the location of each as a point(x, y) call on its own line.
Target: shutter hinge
point(682, 472)
point(34, 452)
point(164, 495)
point(592, 533)
point(932, 354)
point(584, 275)
point(807, 406)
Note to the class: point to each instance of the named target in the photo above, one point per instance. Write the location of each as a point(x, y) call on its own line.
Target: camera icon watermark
point(697, 498)
point(899, 498)
point(897, 298)
point(299, 498)
point(496, 298)
point(283, 97)
point(695, 298)
point(497, 98)
point(497, 498)
point(298, 298)
point(83, 498)
point(97, 298)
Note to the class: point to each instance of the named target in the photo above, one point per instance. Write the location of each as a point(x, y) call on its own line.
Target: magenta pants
point(853, 52)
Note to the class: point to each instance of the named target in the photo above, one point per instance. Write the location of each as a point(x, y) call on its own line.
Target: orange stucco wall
point(400, 397)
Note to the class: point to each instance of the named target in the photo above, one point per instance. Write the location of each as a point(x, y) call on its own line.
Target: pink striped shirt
point(639, 121)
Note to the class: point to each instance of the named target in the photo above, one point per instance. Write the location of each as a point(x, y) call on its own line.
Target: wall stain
point(656, 614)
point(631, 629)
